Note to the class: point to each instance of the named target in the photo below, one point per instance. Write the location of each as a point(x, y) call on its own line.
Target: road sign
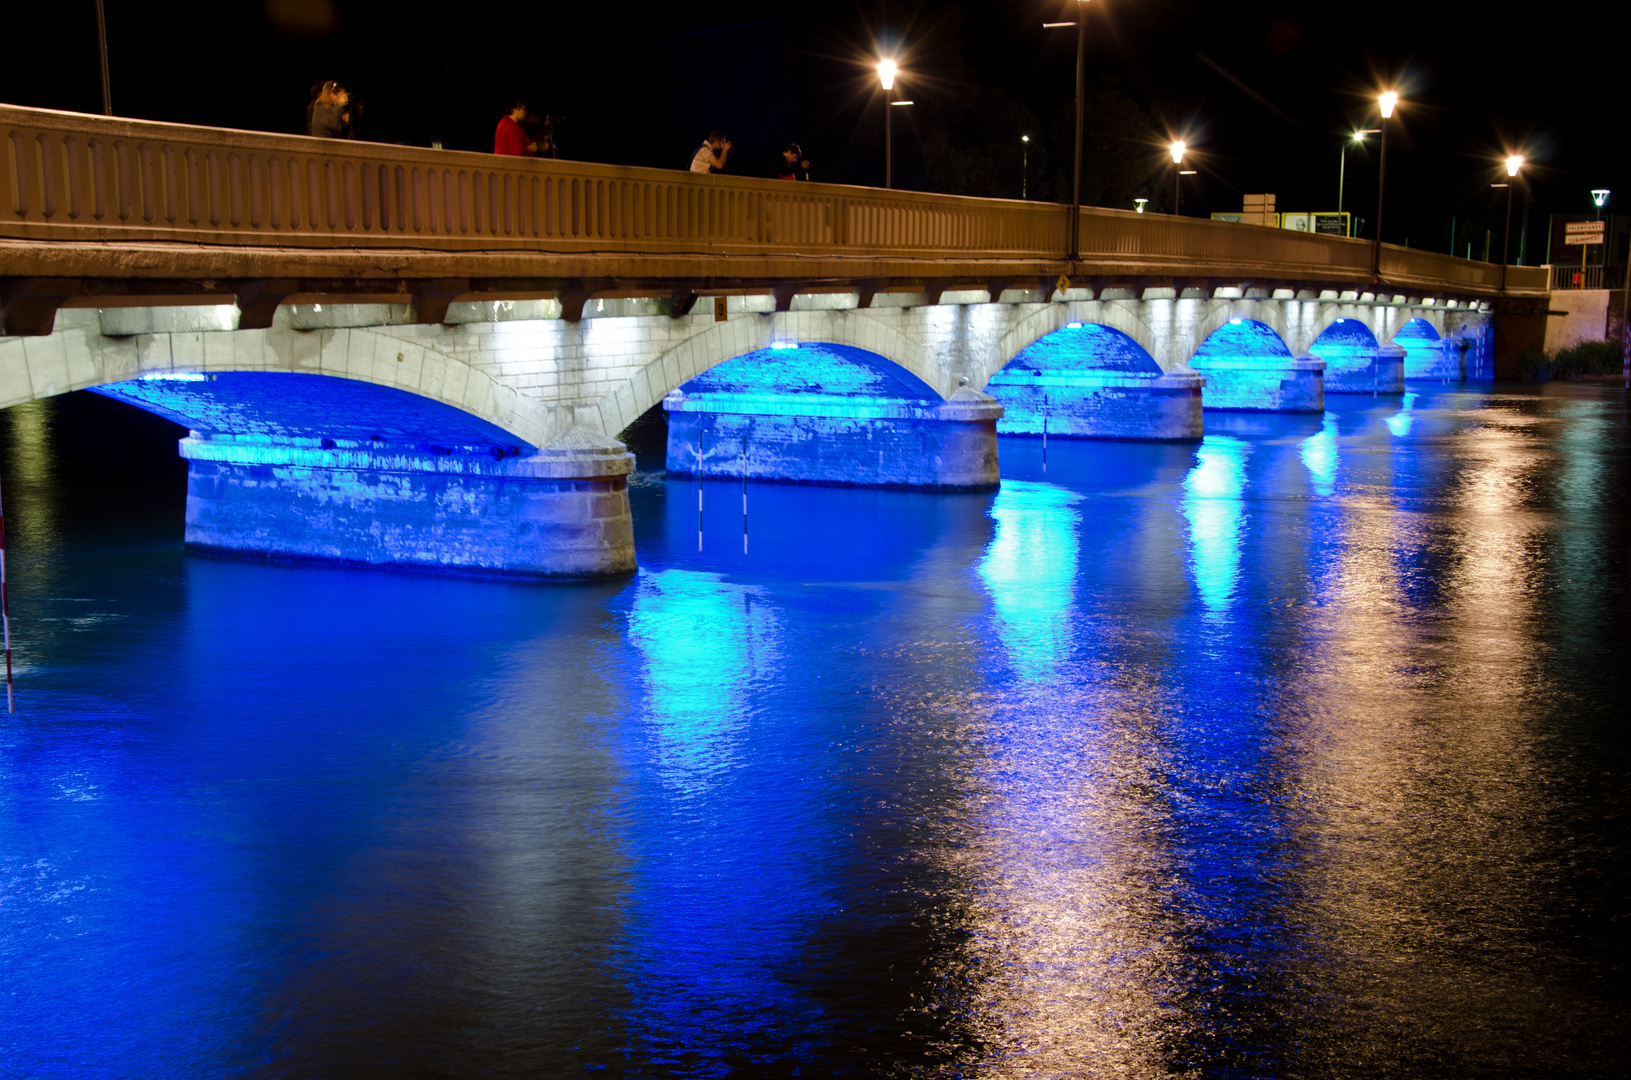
point(1583, 232)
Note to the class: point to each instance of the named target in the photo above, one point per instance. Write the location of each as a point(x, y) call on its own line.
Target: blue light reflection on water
point(1162, 763)
point(1399, 423)
point(1030, 570)
point(1319, 454)
point(1215, 508)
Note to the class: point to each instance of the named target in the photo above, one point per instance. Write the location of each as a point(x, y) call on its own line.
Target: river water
point(1302, 753)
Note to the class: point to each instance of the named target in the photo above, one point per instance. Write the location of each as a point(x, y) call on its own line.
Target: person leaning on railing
point(712, 155)
point(329, 114)
point(508, 138)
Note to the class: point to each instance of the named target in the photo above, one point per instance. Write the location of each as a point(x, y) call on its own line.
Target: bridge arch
point(729, 340)
point(1346, 345)
point(79, 357)
point(1266, 314)
point(1049, 318)
point(1425, 355)
point(1239, 336)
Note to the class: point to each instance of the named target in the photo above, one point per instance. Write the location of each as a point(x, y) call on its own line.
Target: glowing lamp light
point(1387, 101)
point(1024, 138)
point(780, 346)
point(886, 73)
point(1599, 197)
point(1234, 322)
point(1514, 163)
point(1140, 204)
point(1177, 149)
point(1073, 326)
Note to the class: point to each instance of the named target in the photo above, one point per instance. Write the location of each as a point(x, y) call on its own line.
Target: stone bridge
point(471, 333)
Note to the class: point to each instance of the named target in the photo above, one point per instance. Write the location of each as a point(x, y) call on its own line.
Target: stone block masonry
point(789, 437)
point(1376, 370)
point(1262, 384)
point(1099, 404)
point(563, 512)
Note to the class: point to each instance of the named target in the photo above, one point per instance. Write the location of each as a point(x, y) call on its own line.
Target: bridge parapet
point(97, 211)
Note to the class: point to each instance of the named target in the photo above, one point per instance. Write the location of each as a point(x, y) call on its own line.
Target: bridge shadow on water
point(1292, 752)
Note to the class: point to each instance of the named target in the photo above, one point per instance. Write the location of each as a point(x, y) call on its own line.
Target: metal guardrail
point(1587, 277)
point(78, 177)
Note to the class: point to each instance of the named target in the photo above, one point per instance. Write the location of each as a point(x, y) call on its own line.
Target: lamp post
point(1513, 164)
point(1599, 199)
point(1177, 149)
point(102, 49)
point(1075, 227)
point(1385, 103)
point(886, 75)
point(1342, 164)
point(1024, 166)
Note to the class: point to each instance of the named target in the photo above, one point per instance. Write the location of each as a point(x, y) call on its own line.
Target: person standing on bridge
point(789, 164)
point(329, 114)
point(712, 155)
point(509, 139)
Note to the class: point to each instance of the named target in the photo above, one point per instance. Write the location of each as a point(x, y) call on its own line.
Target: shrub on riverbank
point(1585, 358)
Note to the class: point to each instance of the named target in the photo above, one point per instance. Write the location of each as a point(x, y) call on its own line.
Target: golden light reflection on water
point(1421, 650)
point(1081, 967)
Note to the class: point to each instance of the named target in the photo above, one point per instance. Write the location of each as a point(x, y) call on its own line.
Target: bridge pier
point(562, 512)
point(1378, 370)
point(299, 467)
point(1262, 383)
point(949, 446)
point(1099, 404)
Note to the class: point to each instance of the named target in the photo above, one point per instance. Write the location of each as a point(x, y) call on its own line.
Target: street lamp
point(887, 70)
point(1342, 164)
point(102, 49)
point(1024, 165)
point(1075, 226)
point(1385, 105)
point(1513, 164)
point(1138, 205)
point(1177, 149)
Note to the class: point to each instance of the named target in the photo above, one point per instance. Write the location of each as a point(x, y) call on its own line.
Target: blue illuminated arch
point(1416, 330)
point(1346, 344)
point(1424, 353)
point(820, 368)
point(315, 409)
point(1243, 338)
point(1085, 347)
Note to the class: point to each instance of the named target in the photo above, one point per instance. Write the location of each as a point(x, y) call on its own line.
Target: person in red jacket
point(509, 138)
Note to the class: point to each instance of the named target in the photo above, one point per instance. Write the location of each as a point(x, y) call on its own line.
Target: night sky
point(1263, 92)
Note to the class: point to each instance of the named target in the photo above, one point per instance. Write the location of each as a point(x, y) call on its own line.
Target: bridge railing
point(78, 177)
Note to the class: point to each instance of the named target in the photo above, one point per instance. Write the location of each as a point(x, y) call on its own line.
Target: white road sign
point(1583, 232)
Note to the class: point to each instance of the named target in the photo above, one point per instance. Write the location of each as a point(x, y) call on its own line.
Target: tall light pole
point(1024, 165)
point(1074, 228)
point(1177, 149)
point(102, 48)
point(1599, 199)
point(886, 75)
point(1513, 164)
point(1342, 165)
point(1385, 103)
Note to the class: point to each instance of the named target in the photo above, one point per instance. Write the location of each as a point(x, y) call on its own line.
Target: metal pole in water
point(1044, 434)
point(5, 612)
point(699, 487)
point(744, 494)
